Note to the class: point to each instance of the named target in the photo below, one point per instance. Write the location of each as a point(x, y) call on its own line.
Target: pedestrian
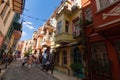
point(24, 61)
point(14, 57)
point(30, 61)
point(44, 59)
point(6, 61)
point(52, 66)
point(47, 65)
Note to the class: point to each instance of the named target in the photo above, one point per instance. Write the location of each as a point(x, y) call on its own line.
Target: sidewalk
point(2, 70)
point(62, 76)
point(59, 75)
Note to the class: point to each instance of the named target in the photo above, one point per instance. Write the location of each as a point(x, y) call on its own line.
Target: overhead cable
point(34, 18)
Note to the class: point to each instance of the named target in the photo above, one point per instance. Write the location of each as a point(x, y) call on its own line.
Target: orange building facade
point(103, 40)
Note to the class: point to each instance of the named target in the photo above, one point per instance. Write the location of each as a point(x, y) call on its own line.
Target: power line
point(30, 24)
point(34, 18)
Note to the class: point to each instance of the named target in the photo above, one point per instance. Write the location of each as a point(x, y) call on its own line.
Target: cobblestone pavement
point(16, 72)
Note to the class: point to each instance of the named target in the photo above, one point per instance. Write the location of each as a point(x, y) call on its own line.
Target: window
point(6, 18)
point(50, 36)
point(117, 43)
point(99, 60)
point(77, 56)
point(76, 26)
point(59, 25)
point(104, 3)
point(88, 14)
point(101, 4)
point(74, 2)
point(58, 57)
point(64, 58)
point(4, 11)
point(66, 26)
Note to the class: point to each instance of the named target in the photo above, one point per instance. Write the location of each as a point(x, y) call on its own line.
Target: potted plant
point(78, 69)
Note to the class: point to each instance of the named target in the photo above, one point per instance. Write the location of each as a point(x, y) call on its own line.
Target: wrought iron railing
point(101, 68)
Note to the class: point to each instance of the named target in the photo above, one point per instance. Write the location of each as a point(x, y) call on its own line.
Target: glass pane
point(64, 57)
point(118, 49)
point(104, 3)
point(99, 60)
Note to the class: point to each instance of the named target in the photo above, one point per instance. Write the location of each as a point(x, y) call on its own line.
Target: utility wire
point(35, 18)
point(30, 24)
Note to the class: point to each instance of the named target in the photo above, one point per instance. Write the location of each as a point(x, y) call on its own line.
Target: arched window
point(77, 55)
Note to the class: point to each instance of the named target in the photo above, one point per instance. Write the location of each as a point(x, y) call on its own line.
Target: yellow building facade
point(68, 36)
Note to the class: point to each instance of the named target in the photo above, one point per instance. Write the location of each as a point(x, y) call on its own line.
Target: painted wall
point(99, 14)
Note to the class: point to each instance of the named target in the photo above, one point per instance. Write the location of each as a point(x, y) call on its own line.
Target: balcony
point(46, 44)
point(17, 30)
point(17, 34)
point(64, 7)
point(35, 35)
point(75, 8)
point(17, 5)
point(17, 26)
point(63, 38)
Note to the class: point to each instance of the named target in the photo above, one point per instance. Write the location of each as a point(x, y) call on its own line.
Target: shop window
point(64, 58)
point(101, 66)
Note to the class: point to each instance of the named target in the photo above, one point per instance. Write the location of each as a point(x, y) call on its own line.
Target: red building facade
point(103, 40)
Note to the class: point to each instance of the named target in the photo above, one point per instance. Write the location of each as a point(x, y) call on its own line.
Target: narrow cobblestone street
point(16, 72)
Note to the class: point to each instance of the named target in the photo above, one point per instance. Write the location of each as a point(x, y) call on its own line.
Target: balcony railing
point(101, 68)
point(17, 26)
point(75, 7)
point(17, 34)
point(17, 29)
point(65, 6)
point(63, 38)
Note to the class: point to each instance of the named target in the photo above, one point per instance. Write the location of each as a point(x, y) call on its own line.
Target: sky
point(35, 14)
